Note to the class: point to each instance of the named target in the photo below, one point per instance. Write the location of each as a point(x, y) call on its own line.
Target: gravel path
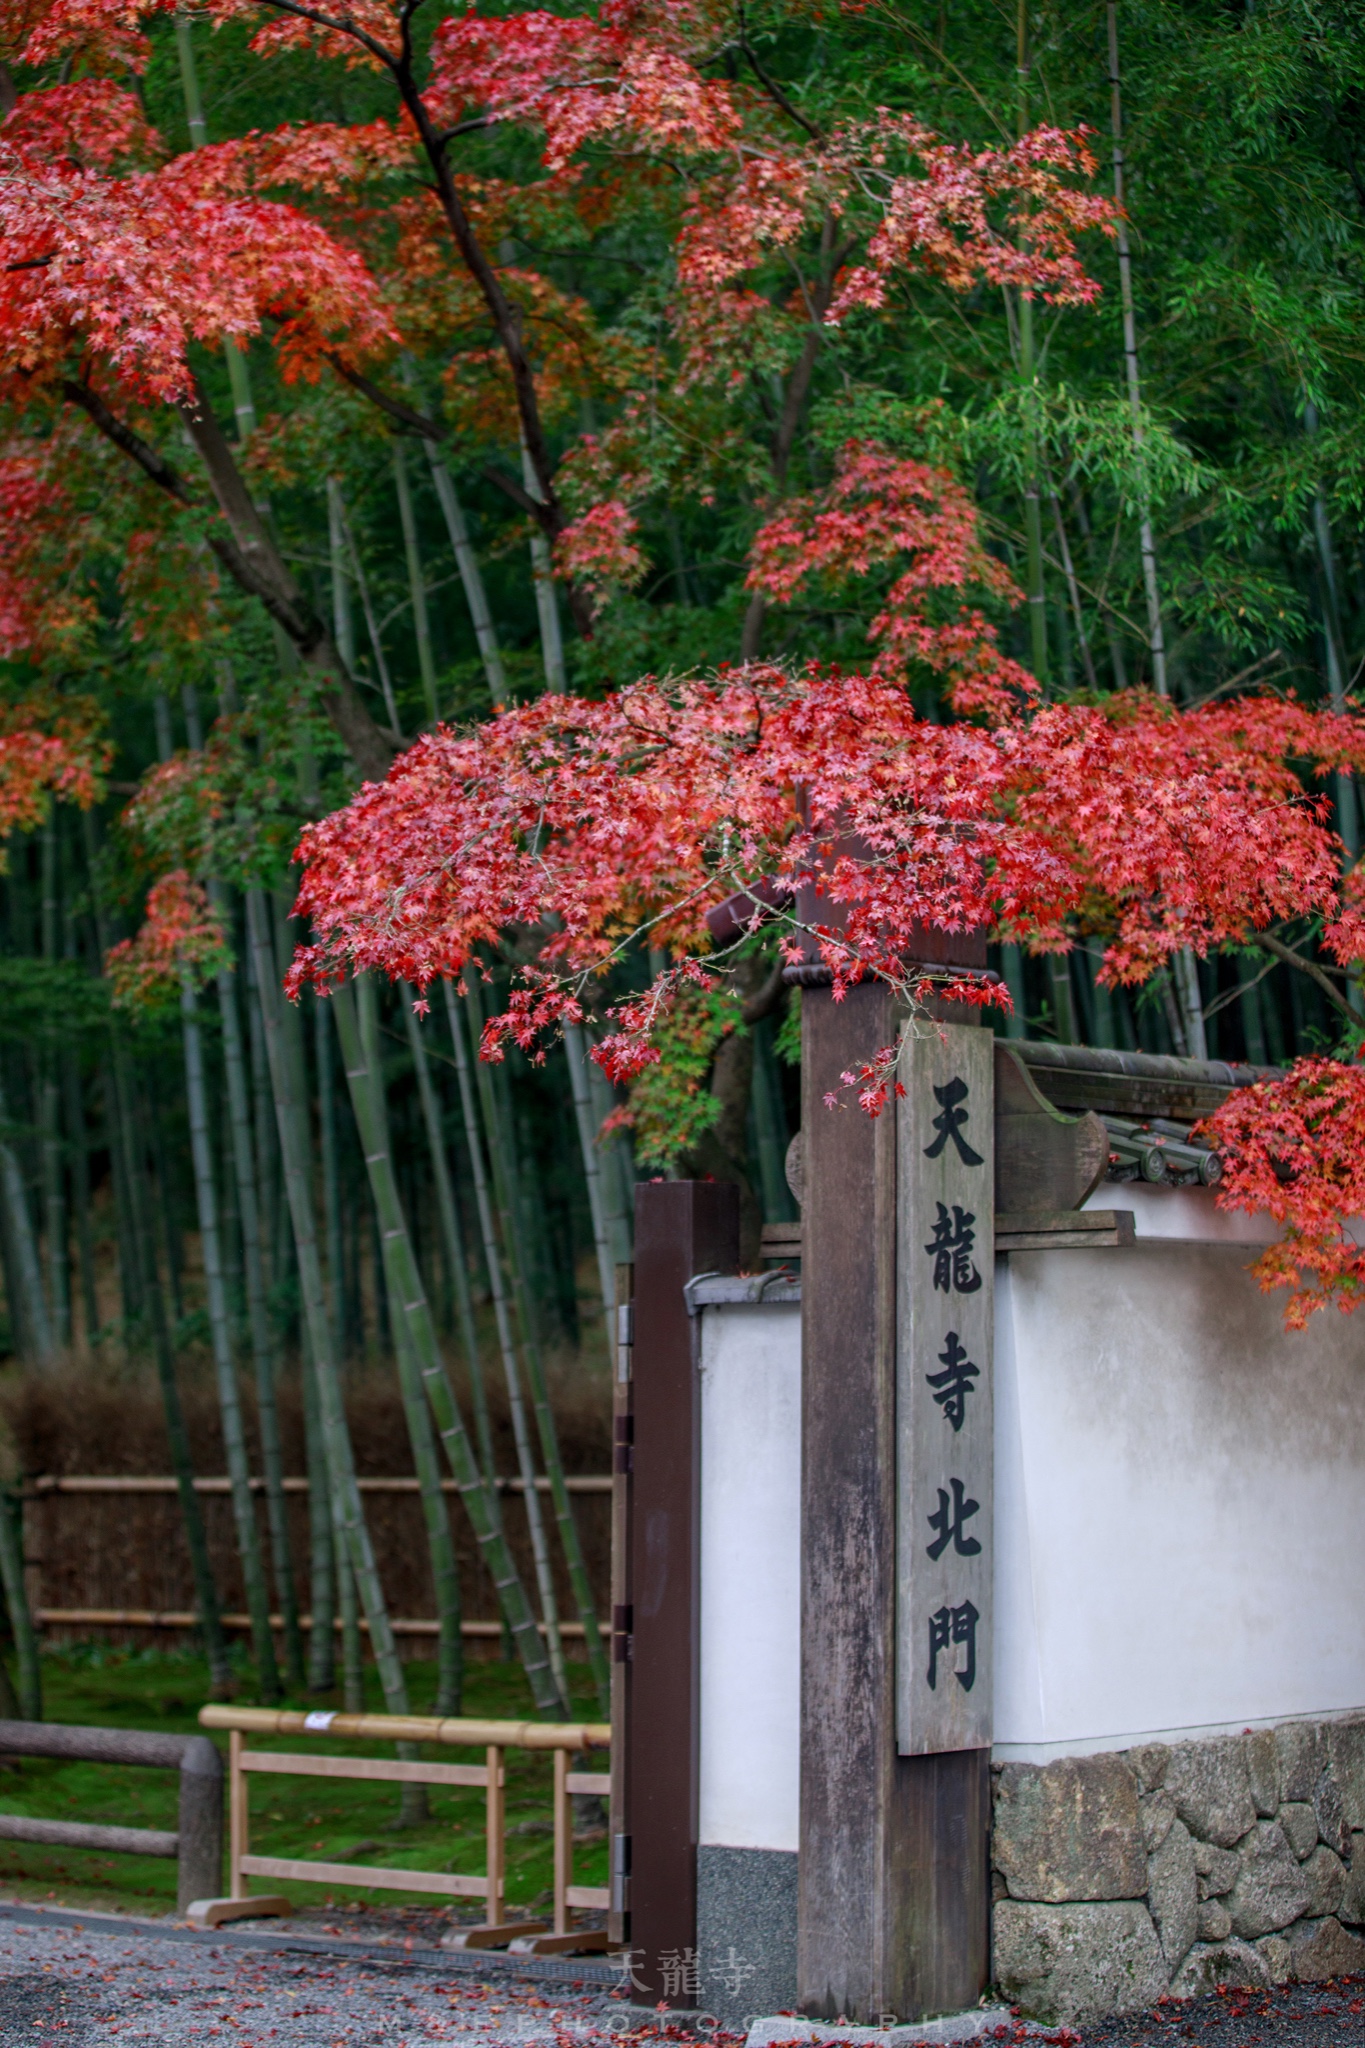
point(78, 1984)
point(83, 1982)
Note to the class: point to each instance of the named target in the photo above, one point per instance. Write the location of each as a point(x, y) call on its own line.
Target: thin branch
point(1308, 967)
point(771, 86)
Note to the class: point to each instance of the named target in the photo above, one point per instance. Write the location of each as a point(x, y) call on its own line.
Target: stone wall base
point(1176, 1867)
point(746, 1932)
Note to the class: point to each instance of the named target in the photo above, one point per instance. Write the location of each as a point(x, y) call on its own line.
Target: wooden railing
point(495, 1738)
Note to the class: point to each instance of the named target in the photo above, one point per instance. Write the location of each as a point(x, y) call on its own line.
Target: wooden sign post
point(894, 1881)
point(945, 1263)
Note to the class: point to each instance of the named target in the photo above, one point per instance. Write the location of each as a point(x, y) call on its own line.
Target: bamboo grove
point(367, 377)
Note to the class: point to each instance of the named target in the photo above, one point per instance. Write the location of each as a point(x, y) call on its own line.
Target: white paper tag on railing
point(318, 1724)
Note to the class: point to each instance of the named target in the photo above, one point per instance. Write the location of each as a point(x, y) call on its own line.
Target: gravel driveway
point(75, 1979)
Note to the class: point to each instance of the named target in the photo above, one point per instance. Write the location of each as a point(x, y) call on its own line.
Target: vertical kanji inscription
point(945, 1197)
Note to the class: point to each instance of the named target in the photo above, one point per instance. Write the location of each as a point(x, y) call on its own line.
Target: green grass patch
point(326, 1820)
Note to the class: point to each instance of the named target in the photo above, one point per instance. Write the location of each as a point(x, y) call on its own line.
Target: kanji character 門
point(947, 1627)
point(951, 1250)
point(949, 1121)
point(954, 1383)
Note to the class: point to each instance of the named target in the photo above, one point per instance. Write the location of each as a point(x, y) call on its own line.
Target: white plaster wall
point(750, 1575)
point(1180, 1498)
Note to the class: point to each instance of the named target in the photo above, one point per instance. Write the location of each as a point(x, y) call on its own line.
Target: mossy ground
point(334, 1821)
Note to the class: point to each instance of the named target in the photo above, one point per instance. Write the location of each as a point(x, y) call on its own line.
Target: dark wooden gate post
point(682, 1228)
point(894, 1871)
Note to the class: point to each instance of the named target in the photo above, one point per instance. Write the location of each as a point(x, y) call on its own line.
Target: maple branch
point(154, 466)
point(1308, 967)
point(249, 556)
point(770, 85)
point(794, 399)
point(431, 430)
point(405, 415)
point(268, 578)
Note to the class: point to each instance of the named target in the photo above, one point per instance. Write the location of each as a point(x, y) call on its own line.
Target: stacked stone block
point(1173, 1868)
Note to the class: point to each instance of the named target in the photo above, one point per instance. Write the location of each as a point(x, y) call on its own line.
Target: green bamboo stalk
point(331, 1175)
point(50, 1123)
point(148, 1116)
point(206, 1593)
point(24, 1250)
point(471, 576)
point(229, 1403)
point(475, 1127)
point(258, 1316)
point(771, 1129)
point(576, 1055)
point(263, 1118)
point(421, 622)
point(16, 1600)
point(410, 1305)
point(352, 1649)
point(321, 1550)
point(359, 1024)
point(618, 1178)
point(80, 1189)
point(505, 1197)
point(454, 1244)
point(506, 1157)
point(130, 1283)
point(290, 1112)
point(341, 528)
point(547, 599)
